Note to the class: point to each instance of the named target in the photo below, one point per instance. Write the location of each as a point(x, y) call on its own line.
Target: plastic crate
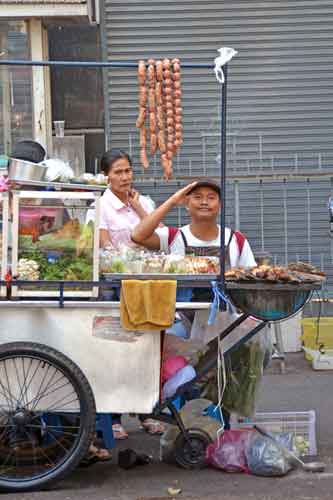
point(302, 424)
point(315, 335)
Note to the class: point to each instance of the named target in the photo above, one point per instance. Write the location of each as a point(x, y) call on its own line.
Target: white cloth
point(244, 258)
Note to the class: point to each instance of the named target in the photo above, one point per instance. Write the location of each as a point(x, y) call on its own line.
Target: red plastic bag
point(228, 451)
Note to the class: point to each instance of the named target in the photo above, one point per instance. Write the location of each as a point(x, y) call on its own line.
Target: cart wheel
point(47, 416)
point(190, 451)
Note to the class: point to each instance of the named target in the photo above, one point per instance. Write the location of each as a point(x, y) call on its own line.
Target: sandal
point(153, 427)
point(96, 455)
point(119, 431)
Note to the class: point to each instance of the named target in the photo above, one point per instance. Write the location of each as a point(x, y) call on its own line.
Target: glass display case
point(55, 237)
point(3, 240)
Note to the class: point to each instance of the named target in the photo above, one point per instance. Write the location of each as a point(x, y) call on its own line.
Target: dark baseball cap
point(204, 182)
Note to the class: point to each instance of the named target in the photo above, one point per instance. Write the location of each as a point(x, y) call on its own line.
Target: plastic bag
point(228, 452)
point(58, 170)
point(171, 366)
point(174, 345)
point(244, 369)
point(226, 54)
point(183, 376)
point(266, 458)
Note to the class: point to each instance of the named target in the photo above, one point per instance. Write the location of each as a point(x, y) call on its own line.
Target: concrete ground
point(299, 389)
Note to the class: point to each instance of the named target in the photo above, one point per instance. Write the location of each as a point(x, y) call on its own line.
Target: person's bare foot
point(96, 455)
point(152, 426)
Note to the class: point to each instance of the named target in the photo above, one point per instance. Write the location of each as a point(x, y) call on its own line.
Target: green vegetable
point(79, 269)
point(243, 373)
point(174, 268)
point(65, 268)
point(118, 267)
point(49, 242)
point(26, 243)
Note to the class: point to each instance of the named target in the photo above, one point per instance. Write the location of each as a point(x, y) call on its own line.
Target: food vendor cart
point(63, 353)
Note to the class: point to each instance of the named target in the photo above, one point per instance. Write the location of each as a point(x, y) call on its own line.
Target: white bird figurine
point(226, 54)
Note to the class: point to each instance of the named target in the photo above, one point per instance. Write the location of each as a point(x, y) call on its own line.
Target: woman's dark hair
point(109, 157)
point(29, 151)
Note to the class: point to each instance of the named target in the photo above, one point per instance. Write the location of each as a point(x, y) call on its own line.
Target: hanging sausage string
point(160, 117)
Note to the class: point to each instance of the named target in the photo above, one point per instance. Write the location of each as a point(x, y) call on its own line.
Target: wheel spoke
point(42, 396)
point(41, 384)
point(46, 456)
point(37, 388)
point(8, 390)
point(25, 378)
point(30, 381)
point(18, 381)
point(59, 428)
point(12, 451)
point(9, 402)
point(3, 435)
point(54, 407)
point(59, 442)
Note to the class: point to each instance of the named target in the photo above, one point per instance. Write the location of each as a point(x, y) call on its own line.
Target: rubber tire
point(88, 413)
point(181, 445)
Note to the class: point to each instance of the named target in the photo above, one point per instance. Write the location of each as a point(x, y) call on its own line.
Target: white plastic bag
point(226, 54)
point(58, 170)
point(183, 376)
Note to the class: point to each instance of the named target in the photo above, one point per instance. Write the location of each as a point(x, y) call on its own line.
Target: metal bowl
point(270, 302)
point(20, 171)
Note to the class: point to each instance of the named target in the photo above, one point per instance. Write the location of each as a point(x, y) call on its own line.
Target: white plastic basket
point(302, 424)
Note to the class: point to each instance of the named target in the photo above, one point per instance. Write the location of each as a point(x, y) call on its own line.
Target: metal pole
point(223, 177)
point(91, 64)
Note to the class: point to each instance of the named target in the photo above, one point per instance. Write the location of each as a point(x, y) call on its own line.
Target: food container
point(20, 171)
point(53, 242)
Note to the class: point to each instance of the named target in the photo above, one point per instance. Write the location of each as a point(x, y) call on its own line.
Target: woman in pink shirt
point(122, 207)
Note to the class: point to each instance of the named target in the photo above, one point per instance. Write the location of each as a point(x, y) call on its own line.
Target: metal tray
point(187, 280)
point(62, 186)
point(257, 285)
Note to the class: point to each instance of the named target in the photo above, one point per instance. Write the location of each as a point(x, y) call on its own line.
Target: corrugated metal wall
point(280, 106)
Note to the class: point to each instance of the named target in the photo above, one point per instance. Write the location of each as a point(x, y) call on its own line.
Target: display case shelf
point(55, 237)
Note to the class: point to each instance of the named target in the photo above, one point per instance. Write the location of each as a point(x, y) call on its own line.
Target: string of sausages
point(160, 111)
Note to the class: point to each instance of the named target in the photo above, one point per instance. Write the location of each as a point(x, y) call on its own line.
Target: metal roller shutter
point(280, 107)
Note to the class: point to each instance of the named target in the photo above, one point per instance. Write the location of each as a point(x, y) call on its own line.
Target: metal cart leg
point(279, 348)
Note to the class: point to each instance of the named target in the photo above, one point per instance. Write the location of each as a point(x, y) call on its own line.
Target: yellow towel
point(147, 305)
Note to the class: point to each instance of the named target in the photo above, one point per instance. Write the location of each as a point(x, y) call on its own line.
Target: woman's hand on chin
point(133, 199)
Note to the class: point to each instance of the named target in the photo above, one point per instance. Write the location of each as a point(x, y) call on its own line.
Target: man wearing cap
point(201, 237)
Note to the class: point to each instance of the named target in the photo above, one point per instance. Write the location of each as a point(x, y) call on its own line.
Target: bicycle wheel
point(47, 416)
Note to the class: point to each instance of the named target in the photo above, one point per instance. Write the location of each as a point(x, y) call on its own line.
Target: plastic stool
point(104, 429)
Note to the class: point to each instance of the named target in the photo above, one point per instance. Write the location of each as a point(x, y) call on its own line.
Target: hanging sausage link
point(178, 139)
point(140, 122)
point(160, 105)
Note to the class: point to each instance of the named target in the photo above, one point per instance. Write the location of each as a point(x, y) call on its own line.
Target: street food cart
point(63, 353)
